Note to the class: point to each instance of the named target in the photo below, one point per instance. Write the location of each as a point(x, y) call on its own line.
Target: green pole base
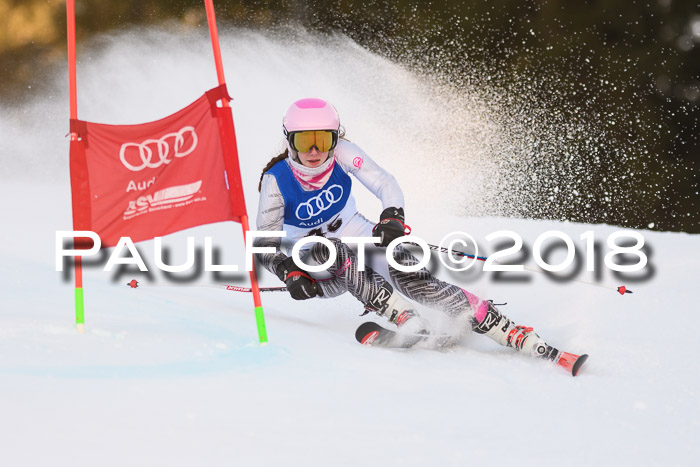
point(79, 310)
point(260, 321)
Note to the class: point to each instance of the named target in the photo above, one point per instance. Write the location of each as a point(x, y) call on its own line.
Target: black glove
point(300, 285)
point(391, 226)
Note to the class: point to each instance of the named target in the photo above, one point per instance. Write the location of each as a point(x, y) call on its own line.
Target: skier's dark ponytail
point(269, 165)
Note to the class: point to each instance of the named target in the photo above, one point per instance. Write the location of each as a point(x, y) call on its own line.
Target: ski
point(568, 361)
point(375, 335)
point(571, 362)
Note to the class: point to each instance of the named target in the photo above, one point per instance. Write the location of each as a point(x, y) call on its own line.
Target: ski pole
point(234, 288)
point(231, 288)
point(621, 289)
point(447, 250)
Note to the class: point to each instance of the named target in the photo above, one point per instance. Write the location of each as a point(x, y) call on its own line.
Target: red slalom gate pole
point(213, 32)
point(73, 93)
point(70, 11)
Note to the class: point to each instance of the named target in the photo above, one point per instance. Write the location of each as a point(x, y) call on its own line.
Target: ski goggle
point(303, 141)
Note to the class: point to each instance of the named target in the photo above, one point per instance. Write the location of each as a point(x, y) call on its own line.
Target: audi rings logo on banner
point(319, 203)
point(153, 153)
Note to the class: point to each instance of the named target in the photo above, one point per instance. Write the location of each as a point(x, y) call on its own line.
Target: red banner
point(149, 180)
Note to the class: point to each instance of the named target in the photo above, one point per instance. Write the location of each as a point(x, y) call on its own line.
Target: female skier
point(306, 191)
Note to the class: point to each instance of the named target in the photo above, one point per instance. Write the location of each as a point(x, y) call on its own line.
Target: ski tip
point(578, 364)
point(367, 332)
point(369, 338)
point(571, 362)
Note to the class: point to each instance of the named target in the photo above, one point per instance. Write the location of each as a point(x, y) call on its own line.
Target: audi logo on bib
point(319, 203)
point(153, 153)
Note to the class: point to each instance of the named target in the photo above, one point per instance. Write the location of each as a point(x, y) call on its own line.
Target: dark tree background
point(634, 64)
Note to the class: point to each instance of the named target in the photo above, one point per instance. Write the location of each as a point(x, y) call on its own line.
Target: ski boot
point(390, 304)
point(489, 321)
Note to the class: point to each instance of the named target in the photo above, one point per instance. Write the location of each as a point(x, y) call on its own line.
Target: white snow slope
point(172, 374)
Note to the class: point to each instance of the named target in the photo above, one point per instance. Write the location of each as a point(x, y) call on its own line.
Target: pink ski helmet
point(310, 114)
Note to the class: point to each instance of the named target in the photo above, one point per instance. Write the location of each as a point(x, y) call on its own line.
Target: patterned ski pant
point(420, 286)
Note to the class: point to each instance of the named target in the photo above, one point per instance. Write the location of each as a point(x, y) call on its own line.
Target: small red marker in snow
point(133, 283)
point(623, 290)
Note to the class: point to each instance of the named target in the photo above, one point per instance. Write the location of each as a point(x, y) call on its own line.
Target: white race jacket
point(353, 161)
